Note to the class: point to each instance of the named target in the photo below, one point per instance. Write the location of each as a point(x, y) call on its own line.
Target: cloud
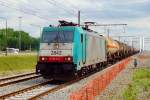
point(141, 23)
point(135, 13)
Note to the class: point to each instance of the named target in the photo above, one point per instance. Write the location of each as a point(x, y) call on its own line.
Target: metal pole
point(105, 29)
point(143, 43)
point(132, 43)
point(79, 18)
point(5, 33)
point(40, 31)
point(30, 43)
point(6, 38)
point(108, 32)
point(20, 33)
point(124, 30)
point(119, 38)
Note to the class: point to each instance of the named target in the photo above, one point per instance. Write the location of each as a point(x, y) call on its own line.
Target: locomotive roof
point(59, 28)
point(72, 28)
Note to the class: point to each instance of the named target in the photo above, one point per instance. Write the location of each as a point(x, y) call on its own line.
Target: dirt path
point(115, 90)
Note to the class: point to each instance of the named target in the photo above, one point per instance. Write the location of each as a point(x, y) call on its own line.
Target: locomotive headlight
point(42, 58)
point(69, 59)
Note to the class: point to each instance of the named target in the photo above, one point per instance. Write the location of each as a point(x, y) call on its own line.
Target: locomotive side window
point(57, 37)
point(81, 38)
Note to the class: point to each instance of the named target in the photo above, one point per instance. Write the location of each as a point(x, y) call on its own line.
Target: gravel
point(63, 94)
point(15, 79)
point(115, 90)
point(14, 87)
point(31, 93)
point(13, 73)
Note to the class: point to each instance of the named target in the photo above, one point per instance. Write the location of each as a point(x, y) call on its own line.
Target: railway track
point(36, 91)
point(28, 92)
point(17, 79)
point(56, 88)
point(17, 76)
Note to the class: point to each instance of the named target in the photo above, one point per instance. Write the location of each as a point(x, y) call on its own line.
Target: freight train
point(68, 51)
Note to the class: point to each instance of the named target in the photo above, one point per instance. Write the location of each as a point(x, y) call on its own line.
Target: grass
point(17, 63)
point(140, 87)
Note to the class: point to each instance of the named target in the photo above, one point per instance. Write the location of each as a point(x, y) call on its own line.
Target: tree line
point(11, 40)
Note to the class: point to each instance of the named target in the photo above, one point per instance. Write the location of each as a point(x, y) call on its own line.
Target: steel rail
point(64, 85)
point(23, 90)
point(17, 76)
point(56, 88)
point(19, 80)
point(61, 86)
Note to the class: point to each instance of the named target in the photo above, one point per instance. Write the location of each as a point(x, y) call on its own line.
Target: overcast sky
point(135, 13)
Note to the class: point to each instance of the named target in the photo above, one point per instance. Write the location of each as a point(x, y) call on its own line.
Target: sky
point(40, 13)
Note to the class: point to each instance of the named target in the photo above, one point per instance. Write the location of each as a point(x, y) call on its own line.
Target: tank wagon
point(117, 50)
point(68, 51)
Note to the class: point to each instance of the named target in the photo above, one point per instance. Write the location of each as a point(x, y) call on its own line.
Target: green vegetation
point(12, 37)
point(140, 87)
point(17, 63)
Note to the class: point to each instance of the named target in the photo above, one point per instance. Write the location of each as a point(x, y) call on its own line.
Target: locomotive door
point(83, 40)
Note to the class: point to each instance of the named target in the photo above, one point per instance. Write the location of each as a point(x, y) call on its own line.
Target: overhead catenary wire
point(72, 9)
point(34, 12)
point(25, 7)
point(54, 3)
point(22, 11)
point(6, 4)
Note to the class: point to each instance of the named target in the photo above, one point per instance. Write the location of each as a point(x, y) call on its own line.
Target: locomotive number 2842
point(56, 52)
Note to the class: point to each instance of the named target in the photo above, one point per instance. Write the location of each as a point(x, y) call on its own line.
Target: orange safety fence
point(96, 86)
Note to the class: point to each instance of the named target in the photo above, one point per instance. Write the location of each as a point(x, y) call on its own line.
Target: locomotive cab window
point(57, 37)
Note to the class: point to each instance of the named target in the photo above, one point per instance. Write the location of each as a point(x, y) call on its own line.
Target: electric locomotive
point(68, 51)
